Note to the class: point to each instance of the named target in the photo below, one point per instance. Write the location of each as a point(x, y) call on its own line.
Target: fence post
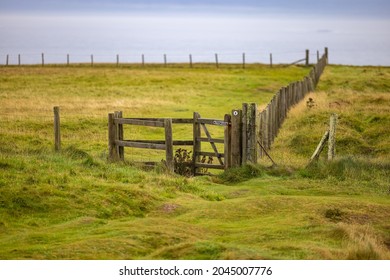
point(244, 134)
point(119, 136)
point(270, 59)
point(43, 59)
point(112, 150)
point(169, 145)
point(67, 59)
point(326, 55)
point(228, 142)
point(7, 60)
point(236, 143)
point(243, 60)
point(332, 137)
point(216, 60)
point(143, 60)
point(307, 57)
point(165, 60)
point(190, 60)
point(318, 56)
point(57, 129)
point(117, 60)
point(19, 60)
point(91, 59)
point(252, 135)
point(197, 143)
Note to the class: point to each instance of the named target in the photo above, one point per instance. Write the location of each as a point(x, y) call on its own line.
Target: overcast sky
point(350, 8)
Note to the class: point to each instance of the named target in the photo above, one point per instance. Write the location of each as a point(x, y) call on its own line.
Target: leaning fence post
point(57, 131)
point(332, 137)
point(169, 145)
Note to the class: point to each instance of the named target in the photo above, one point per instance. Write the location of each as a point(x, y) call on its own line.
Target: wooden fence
point(273, 116)
point(244, 130)
point(201, 134)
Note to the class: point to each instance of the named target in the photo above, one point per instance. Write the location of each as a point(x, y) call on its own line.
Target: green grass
point(76, 205)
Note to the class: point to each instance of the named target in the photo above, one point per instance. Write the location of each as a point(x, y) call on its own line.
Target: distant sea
point(350, 41)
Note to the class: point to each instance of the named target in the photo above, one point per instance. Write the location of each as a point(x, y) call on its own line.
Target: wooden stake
point(332, 137)
point(216, 60)
point(169, 145)
point(197, 143)
point(319, 148)
point(57, 129)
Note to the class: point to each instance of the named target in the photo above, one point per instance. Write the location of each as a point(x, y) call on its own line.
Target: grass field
point(76, 205)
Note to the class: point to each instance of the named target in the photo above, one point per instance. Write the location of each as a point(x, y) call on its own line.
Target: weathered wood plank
point(140, 145)
point(209, 166)
point(212, 140)
point(213, 122)
point(206, 131)
point(139, 122)
point(210, 154)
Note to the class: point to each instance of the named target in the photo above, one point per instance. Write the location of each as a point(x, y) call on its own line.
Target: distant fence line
point(41, 59)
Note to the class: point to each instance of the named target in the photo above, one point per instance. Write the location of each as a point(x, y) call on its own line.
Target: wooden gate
point(217, 159)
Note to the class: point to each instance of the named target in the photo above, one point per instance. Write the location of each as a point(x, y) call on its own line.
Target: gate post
point(197, 143)
point(169, 145)
point(228, 142)
point(119, 136)
point(236, 143)
point(249, 139)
